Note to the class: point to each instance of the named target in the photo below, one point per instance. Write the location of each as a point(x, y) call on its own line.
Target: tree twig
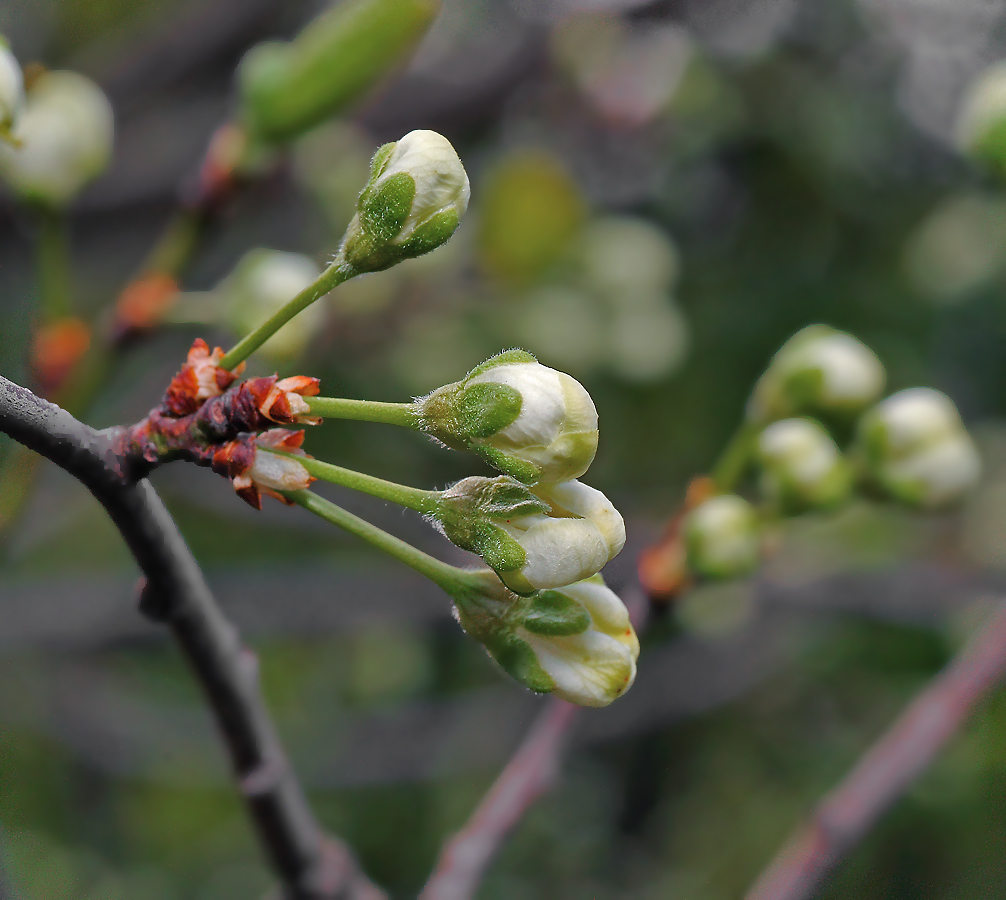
point(887, 769)
point(530, 772)
point(310, 865)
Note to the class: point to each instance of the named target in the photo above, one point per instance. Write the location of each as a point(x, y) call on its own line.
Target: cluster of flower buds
point(911, 447)
point(544, 533)
point(541, 609)
point(57, 139)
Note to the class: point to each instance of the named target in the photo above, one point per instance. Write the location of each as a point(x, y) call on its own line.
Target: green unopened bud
point(576, 642)
point(981, 122)
point(818, 371)
point(11, 90)
point(802, 467)
point(64, 139)
point(287, 88)
point(553, 536)
point(417, 193)
point(721, 537)
point(263, 282)
point(523, 418)
point(917, 449)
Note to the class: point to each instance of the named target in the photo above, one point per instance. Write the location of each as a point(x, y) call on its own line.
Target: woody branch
point(309, 864)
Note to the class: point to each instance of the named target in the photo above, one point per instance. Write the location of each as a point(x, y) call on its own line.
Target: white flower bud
point(263, 282)
point(981, 122)
point(818, 370)
point(417, 193)
point(11, 89)
point(523, 418)
point(721, 537)
point(802, 467)
point(594, 666)
point(65, 135)
point(556, 535)
point(576, 642)
point(917, 448)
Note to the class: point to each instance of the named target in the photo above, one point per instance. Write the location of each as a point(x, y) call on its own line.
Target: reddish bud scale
point(207, 419)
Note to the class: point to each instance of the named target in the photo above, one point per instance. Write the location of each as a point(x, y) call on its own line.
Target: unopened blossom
point(285, 404)
point(576, 642)
point(802, 467)
point(64, 139)
point(917, 449)
point(821, 371)
point(272, 473)
point(11, 90)
point(559, 534)
point(722, 537)
point(417, 193)
point(523, 418)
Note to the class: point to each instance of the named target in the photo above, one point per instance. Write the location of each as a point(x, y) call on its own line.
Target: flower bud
point(802, 468)
point(917, 449)
point(818, 370)
point(65, 139)
point(263, 282)
point(576, 642)
point(981, 122)
point(558, 534)
point(271, 473)
point(523, 418)
point(11, 90)
point(417, 193)
point(721, 537)
point(288, 88)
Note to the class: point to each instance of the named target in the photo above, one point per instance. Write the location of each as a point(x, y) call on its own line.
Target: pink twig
point(531, 772)
point(885, 772)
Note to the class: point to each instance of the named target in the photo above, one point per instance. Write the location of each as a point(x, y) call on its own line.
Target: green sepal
point(522, 470)
point(500, 551)
point(504, 498)
point(518, 660)
point(380, 160)
point(506, 357)
point(384, 211)
point(484, 409)
point(433, 233)
point(555, 614)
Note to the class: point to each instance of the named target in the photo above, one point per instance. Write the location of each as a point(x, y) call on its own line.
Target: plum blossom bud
point(271, 473)
point(64, 137)
point(981, 122)
point(285, 404)
point(917, 449)
point(523, 418)
point(553, 536)
point(11, 90)
point(818, 370)
point(263, 282)
point(417, 193)
point(802, 468)
point(576, 642)
point(721, 537)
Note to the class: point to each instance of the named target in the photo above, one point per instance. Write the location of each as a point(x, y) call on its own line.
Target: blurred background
point(662, 193)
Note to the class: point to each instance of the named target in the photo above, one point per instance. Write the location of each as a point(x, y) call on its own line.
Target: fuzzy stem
point(734, 459)
point(331, 278)
point(453, 580)
point(52, 265)
point(421, 501)
point(364, 410)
